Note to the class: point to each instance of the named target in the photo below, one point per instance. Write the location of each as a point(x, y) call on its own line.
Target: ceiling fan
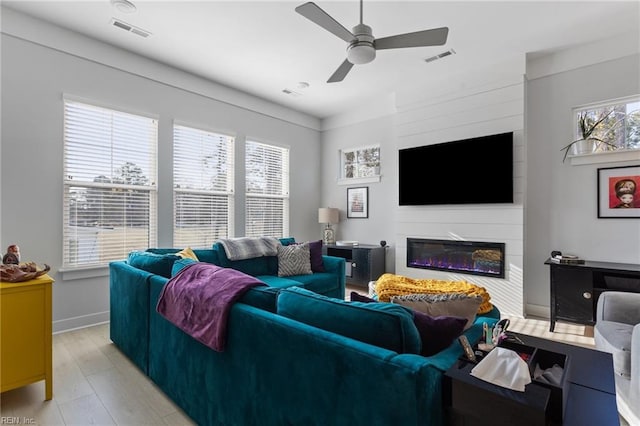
point(362, 45)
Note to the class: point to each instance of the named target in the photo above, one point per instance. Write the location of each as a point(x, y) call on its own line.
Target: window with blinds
point(267, 190)
point(202, 188)
point(109, 184)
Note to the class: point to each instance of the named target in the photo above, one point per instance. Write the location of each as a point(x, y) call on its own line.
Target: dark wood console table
point(364, 262)
point(575, 288)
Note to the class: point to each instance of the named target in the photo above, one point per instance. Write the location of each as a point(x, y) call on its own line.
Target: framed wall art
point(358, 202)
point(619, 192)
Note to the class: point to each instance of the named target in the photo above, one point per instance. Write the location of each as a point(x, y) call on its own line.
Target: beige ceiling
point(263, 47)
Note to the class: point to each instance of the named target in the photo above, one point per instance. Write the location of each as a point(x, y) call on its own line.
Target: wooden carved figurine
point(12, 256)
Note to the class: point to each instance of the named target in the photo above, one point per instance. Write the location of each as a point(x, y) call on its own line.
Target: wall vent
point(440, 56)
point(130, 28)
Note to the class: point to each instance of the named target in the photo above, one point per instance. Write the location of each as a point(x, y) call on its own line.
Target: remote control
point(468, 351)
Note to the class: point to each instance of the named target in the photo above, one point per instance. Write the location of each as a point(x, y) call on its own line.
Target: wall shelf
point(605, 157)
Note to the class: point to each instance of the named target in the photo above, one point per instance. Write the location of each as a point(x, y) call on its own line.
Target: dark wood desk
point(575, 288)
point(588, 394)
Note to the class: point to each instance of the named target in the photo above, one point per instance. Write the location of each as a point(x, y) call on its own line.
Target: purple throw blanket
point(198, 300)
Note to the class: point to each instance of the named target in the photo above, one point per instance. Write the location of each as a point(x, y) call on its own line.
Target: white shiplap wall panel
point(490, 86)
point(466, 116)
point(461, 130)
point(491, 108)
point(466, 104)
point(503, 110)
point(509, 213)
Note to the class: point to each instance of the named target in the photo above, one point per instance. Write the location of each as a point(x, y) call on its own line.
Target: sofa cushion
point(179, 264)
point(318, 282)
point(187, 253)
point(203, 255)
point(264, 265)
point(160, 264)
point(444, 304)
point(279, 282)
point(381, 324)
point(436, 333)
point(357, 297)
point(294, 259)
point(315, 254)
point(615, 337)
point(262, 297)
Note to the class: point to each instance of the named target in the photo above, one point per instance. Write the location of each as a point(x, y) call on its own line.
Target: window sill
point(355, 181)
point(70, 274)
point(605, 157)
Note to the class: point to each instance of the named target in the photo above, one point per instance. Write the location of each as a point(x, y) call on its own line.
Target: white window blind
point(109, 184)
point(267, 190)
point(203, 187)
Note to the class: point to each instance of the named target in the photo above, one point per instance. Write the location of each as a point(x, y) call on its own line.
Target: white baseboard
point(82, 321)
point(537, 311)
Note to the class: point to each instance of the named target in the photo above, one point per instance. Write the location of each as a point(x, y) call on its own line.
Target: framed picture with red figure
point(619, 192)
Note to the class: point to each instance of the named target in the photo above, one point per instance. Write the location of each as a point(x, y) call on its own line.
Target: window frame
point(343, 179)
point(285, 188)
point(228, 192)
point(626, 101)
point(601, 156)
point(70, 263)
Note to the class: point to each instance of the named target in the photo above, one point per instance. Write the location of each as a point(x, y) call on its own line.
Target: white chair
point(617, 331)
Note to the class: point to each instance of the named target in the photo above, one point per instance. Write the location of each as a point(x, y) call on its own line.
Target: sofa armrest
point(129, 311)
point(334, 265)
point(618, 306)
point(634, 391)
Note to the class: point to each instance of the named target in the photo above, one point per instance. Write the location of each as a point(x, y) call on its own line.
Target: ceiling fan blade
point(312, 12)
point(341, 72)
point(433, 37)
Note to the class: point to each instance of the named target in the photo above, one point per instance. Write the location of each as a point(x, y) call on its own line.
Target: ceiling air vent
point(440, 56)
point(130, 28)
point(291, 93)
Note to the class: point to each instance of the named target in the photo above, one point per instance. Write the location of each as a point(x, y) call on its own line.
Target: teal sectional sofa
point(130, 282)
point(293, 356)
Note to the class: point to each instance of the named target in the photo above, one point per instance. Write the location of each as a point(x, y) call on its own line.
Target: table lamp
point(328, 215)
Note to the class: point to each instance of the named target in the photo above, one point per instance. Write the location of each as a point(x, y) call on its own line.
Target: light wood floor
point(94, 384)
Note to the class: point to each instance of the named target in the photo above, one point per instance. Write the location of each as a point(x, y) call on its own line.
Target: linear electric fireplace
point(468, 257)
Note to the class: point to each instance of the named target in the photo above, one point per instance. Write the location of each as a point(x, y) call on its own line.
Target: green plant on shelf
point(588, 124)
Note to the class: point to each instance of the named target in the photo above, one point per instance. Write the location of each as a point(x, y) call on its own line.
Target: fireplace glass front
point(467, 257)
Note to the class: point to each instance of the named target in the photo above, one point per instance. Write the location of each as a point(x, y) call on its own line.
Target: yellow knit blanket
point(389, 285)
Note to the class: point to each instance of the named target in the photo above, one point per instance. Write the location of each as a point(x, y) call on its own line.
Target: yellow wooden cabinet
point(25, 334)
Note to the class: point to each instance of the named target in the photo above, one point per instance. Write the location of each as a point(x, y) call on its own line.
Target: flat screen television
point(470, 171)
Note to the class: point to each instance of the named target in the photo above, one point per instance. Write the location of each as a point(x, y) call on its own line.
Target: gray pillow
point(294, 259)
point(443, 304)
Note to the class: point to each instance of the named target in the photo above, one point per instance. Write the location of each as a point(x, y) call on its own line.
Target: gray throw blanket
point(249, 247)
point(198, 300)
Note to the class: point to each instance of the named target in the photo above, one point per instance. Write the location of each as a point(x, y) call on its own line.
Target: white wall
point(484, 109)
point(380, 225)
point(555, 204)
point(561, 212)
point(35, 78)
point(487, 103)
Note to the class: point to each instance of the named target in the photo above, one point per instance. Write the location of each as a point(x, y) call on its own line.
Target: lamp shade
point(328, 215)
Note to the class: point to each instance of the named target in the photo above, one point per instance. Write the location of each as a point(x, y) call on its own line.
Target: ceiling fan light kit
point(361, 50)
point(362, 45)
